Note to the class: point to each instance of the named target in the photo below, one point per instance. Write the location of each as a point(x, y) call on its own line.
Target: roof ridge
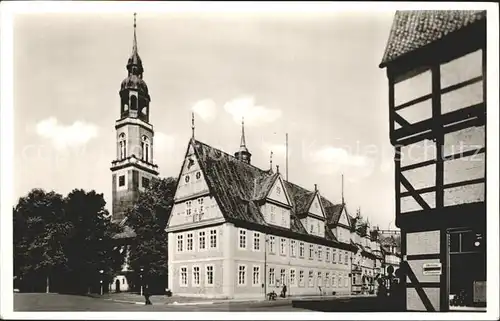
point(268, 172)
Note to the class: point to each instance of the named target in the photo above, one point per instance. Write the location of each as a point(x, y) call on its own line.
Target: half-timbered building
point(435, 63)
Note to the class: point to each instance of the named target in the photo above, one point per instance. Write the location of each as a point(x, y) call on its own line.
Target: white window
point(180, 243)
point(196, 275)
point(272, 277)
point(282, 276)
point(278, 190)
point(311, 279)
point(301, 249)
point(334, 256)
point(340, 281)
point(346, 281)
point(311, 229)
point(273, 218)
point(327, 279)
point(346, 258)
point(256, 241)
point(327, 255)
point(243, 239)
point(272, 244)
point(256, 275)
point(292, 247)
point(320, 279)
point(292, 277)
point(242, 278)
point(184, 277)
point(188, 208)
point(283, 217)
point(189, 241)
point(213, 239)
point(201, 240)
point(282, 246)
point(320, 253)
point(201, 210)
point(209, 275)
point(146, 148)
point(334, 280)
point(123, 146)
point(340, 258)
point(301, 278)
point(311, 251)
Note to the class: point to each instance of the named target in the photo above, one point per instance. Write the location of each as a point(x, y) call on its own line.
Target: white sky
point(314, 76)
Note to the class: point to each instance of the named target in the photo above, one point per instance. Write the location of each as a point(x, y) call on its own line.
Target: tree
point(148, 218)
point(63, 243)
point(40, 231)
point(90, 247)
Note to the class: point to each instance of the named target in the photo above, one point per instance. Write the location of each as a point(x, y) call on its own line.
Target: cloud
point(62, 136)
point(331, 160)
point(254, 115)
point(206, 109)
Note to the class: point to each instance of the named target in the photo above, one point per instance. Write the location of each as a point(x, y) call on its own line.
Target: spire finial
point(343, 202)
point(243, 142)
point(134, 47)
point(192, 125)
point(271, 161)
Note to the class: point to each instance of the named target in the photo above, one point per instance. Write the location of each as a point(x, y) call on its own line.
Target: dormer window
point(278, 190)
point(186, 179)
point(198, 175)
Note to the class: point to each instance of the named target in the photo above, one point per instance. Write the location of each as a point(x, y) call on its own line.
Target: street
point(60, 302)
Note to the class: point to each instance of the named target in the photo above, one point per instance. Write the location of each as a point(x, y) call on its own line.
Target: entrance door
point(117, 285)
point(467, 269)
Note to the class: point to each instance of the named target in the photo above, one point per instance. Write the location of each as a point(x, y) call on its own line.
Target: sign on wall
point(479, 291)
point(433, 268)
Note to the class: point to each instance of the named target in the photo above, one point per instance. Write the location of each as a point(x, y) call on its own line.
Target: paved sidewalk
point(134, 298)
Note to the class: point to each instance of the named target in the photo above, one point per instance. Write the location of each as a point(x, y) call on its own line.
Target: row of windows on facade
point(134, 104)
point(144, 181)
point(145, 147)
point(197, 212)
point(315, 251)
point(326, 279)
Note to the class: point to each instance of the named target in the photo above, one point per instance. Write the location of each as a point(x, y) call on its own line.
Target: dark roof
point(412, 30)
point(301, 197)
point(237, 186)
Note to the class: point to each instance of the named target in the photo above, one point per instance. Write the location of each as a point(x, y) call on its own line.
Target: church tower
point(133, 168)
point(243, 154)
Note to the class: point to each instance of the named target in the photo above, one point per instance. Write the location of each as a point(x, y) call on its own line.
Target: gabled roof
point(237, 187)
point(412, 30)
point(301, 197)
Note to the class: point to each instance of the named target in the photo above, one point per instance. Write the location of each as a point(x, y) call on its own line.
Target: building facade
point(237, 231)
point(436, 71)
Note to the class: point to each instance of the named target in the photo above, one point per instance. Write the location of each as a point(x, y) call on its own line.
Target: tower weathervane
point(192, 125)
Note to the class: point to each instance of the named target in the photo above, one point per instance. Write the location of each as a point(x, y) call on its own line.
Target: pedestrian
point(147, 295)
point(283, 292)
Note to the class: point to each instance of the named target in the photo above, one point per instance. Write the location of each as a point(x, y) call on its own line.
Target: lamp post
point(100, 281)
point(142, 270)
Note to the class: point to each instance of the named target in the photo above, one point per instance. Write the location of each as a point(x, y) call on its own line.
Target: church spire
point(134, 44)
point(243, 143)
point(243, 154)
point(134, 64)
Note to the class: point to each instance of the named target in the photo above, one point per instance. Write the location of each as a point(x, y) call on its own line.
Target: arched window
point(133, 103)
point(146, 149)
point(122, 146)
